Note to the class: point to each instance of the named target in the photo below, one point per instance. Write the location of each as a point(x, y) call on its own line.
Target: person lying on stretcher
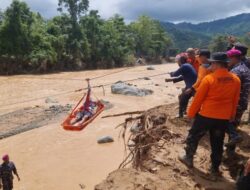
point(85, 112)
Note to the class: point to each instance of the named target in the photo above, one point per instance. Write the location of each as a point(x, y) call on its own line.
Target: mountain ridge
point(186, 34)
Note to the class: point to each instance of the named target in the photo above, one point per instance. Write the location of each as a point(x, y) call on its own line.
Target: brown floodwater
point(51, 158)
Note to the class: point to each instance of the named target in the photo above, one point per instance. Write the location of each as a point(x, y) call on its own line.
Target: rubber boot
point(187, 160)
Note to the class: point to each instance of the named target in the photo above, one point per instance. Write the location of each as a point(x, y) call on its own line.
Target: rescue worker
point(243, 49)
point(213, 106)
point(187, 73)
point(204, 69)
point(192, 59)
point(243, 72)
point(7, 168)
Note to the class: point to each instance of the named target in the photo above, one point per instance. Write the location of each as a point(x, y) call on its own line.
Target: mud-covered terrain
point(154, 164)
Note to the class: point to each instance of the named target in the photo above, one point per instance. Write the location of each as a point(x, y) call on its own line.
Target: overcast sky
point(165, 10)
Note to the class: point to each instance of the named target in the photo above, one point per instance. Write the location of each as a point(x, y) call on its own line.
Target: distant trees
point(76, 39)
point(150, 38)
point(76, 43)
point(246, 40)
point(219, 43)
point(15, 35)
point(1, 16)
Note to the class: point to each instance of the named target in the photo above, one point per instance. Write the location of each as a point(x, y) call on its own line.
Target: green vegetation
point(218, 44)
point(246, 40)
point(80, 39)
point(150, 38)
point(76, 39)
point(186, 35)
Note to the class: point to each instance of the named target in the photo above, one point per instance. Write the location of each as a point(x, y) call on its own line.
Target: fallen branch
point(122, 114)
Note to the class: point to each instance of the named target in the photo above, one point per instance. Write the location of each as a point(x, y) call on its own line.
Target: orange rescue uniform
point(195, 63)
point(203, 72)
point(217, 96)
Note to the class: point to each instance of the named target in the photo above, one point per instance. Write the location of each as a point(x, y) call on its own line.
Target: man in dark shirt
point(243, 72)
point(243, 49)
point(187, 73)
point(244, 60)
point(7, 168)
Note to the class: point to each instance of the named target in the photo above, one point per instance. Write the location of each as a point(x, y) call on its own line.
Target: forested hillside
point(80, 39)
point(76, 39)
point(199, 35)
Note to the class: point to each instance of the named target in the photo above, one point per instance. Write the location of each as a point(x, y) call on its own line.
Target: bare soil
point(159, 167)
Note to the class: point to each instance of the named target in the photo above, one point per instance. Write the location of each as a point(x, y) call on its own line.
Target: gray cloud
point(47, 8)
point(166, 10)
point(183, 10)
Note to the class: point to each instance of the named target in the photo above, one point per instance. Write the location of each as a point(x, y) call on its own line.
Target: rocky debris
point(126, 89)
point(59, 108)
point(171, 95)
point(107, 104)
point(136, 128)
point(146, 78)
point(105, 139)
point(50, 101)
point(150, 68)
point(131, 144)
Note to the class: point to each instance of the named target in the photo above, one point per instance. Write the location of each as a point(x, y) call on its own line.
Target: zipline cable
point(76, 79)
point(78, 90)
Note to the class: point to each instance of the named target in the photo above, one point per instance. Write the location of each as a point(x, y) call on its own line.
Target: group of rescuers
point(219, 84)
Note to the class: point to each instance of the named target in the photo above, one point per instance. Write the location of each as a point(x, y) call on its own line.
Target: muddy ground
point(13, 123)
point(161, 170)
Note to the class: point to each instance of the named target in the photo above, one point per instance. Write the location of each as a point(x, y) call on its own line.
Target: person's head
point(234, 56)
point(191, 53)
point(242, 48)
point(181, 59)
point(6, 158)
point(218, 60)
point(197, 51)
point(204, 55)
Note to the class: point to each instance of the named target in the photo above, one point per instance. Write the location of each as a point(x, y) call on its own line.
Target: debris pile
point(153, 140)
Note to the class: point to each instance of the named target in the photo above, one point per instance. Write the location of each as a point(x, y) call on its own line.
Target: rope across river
point(82, 89)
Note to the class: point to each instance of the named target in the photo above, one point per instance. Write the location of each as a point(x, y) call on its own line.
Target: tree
point(28, 42)
point(246, 40)
point(42, 52)
point(151, 39)
point(77, 44)
point(92, 25)
point(76, 8)
point(15, 32)
point(58, 28)
point(1, 17)
point(16, 29)
point(116, 42)
point(218, 43)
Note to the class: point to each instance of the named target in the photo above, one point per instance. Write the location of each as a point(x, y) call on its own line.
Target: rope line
point(76, 79)
point(79, 90)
